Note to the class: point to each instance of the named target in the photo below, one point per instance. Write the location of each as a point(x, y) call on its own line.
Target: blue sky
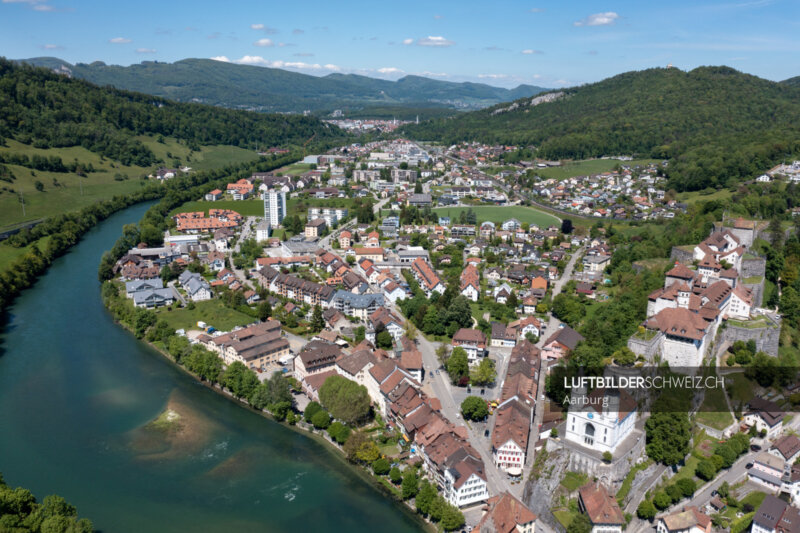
point(502, 42)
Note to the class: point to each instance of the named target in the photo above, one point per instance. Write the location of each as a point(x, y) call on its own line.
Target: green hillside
point(66, 144)
point(795, 82)
point(52, 111)
point(715, 124)
point(270, 89)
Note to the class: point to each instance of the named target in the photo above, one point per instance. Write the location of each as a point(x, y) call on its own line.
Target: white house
point(690, 520)
point(465, 483)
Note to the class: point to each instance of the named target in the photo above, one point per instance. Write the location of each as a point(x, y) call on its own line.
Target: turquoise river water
point(77, 393)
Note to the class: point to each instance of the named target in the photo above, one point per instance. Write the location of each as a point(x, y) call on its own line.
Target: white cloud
point(264, 42)
point(438, 17)
point(435, 40)
point(38, 5)
point(119, 40)
point(297, 31)
point(303, 54)
point(145, 50)
point(408, 41)
point(52, 47)
point(284, 45)
point(493, 76)
point(265, 29)
point(295, 65)
point(598, 19)
point(390, 70)
point(224, 59)
point(528, 52)
point(434, 74)
point(536, 10)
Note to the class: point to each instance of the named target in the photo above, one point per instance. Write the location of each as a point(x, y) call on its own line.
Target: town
point(420, 309)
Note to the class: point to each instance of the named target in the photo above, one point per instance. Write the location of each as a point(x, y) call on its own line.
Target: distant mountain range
point(715, 124)
point(276, 90)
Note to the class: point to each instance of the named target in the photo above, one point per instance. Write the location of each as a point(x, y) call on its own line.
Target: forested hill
point(271, 89)
point(46, 110)
point(715, 124)
point(793, 81)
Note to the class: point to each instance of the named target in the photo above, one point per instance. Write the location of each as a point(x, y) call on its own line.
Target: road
point(241, 275)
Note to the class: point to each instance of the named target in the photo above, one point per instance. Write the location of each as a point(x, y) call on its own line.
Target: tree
point(580, 524)
point(410, 484)
point(624, 356)
point(311, 409)
point(662, 500)
point(339, 432)
point(321, 420)
point(395, 476)
point(674, 492)
point(607, 457)
point(264, 311)
point(687, 486)
point(381, 466)
point(705, 470)
point(383, 339)
point(353, 445)
point(346, 400)
point(418, 187)
point(668, 436)
point(474, 408)
point(425, 496)
point(457, 364)
point(646, 510)
point(317, 321)
point(452, 518)
point(566, 226)
point(484, 373)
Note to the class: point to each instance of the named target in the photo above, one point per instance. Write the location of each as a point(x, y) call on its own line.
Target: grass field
point(295, 169)
point(500, 214)
point(212, 312)
point(742, 389)
point(573, 481)
point(256, 207)
point(65, 192)
point(8, 253)
point(703, 196)
point(590, 166)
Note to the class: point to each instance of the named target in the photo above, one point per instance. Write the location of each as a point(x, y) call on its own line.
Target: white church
point(605, 422)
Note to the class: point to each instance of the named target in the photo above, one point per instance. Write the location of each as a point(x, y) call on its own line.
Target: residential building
point(689, 520)
point(357, 305)
point(427, 278)
point(197, 288)
point(315, 228)
point(470, 283)
point(316, 357)
point(255, 346)
point(473, 341)
point(767, 470)
point(506, 514)
point(274, 206)
point(766, 416)
point(562, 342)
point(602, 509)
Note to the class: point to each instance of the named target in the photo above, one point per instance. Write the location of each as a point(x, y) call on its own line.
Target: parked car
point(486, 433)
point(748, 466)
point(755, 447)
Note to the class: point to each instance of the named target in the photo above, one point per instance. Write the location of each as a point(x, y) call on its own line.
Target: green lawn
point(714, 410)
point(564, 517)
point(742, 389)
point(8, 254)
point(573, 481)
point(704, 196)
point(502, 213)
point(212, 312)
point(590, 166)
point(295, 169)
point(687, 470)
point(755, 499)
point(70, 192)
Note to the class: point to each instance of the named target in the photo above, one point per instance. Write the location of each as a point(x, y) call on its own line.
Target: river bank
point(302, 428)
point(76, 389)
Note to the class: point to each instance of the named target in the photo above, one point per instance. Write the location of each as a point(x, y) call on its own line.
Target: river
point(77, 393)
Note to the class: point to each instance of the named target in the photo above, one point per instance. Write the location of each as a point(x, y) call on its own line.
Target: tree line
point(717, 126)
point(19, 511)
point(49, 110)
